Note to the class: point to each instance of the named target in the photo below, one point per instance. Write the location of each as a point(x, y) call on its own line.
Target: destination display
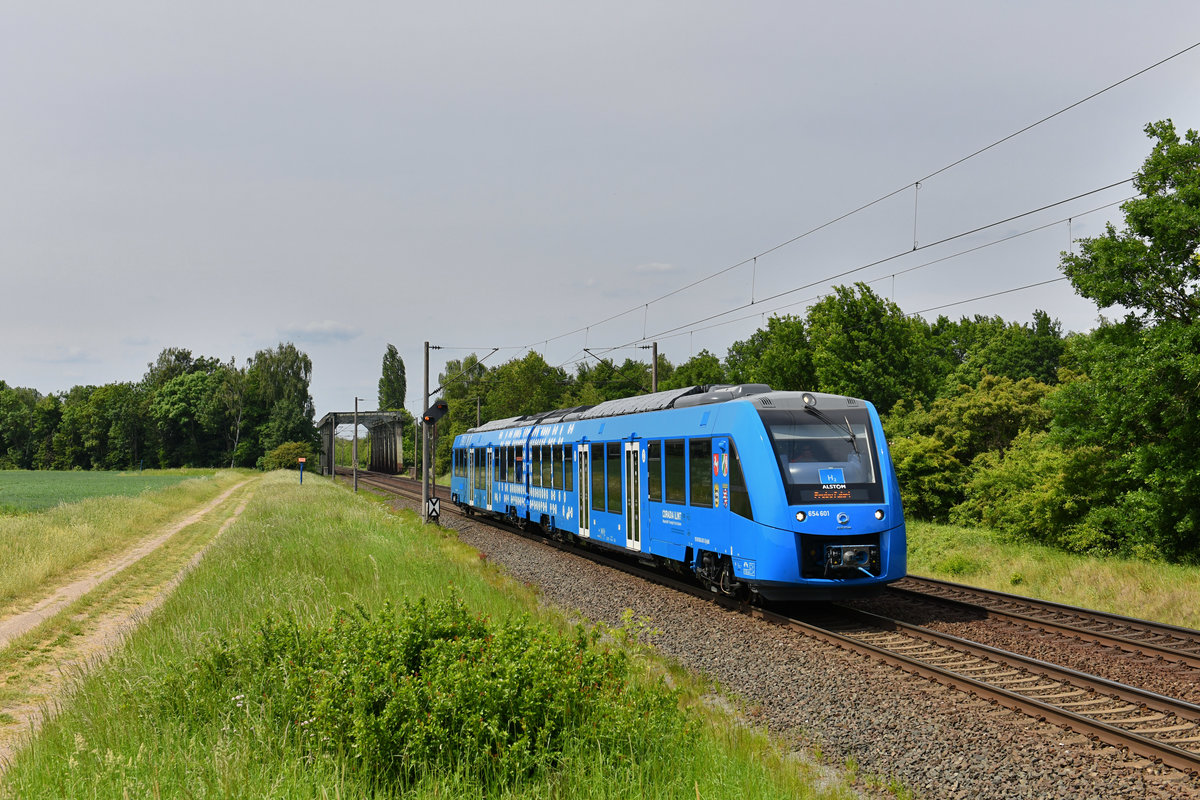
point(834, 495)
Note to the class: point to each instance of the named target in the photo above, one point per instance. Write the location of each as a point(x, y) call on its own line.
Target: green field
point(23, 491)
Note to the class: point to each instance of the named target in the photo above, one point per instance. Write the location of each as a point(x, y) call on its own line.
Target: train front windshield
point(826, 458)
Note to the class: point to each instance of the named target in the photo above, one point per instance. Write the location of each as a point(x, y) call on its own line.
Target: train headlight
point(879, 513)
point(801, 516)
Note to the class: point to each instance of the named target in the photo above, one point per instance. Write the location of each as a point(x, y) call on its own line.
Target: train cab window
point(675, 469)
point(597, 469)
point(569, 468)
point(739, 495)
point(654, 470)
point(825, 457)
point(614, 477)
point(700, 471)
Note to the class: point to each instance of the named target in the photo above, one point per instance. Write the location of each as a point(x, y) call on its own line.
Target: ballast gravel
point(937, 742)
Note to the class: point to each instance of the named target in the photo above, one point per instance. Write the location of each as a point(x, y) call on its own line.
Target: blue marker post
point(301, 460)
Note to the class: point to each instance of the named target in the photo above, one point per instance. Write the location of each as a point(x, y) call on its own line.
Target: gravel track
point(938, 742)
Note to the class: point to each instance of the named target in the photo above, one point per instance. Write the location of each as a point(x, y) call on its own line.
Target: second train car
point(784, 495)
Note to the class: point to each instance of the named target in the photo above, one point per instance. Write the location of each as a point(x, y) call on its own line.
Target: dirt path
point(43, 689)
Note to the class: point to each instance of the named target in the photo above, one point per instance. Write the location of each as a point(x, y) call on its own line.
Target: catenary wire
point(877, 262)
point(882, 198)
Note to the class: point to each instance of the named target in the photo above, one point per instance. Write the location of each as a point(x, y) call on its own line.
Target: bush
point(1038, 490)
point(430, 688)
point(286, 456)
point(931, 479)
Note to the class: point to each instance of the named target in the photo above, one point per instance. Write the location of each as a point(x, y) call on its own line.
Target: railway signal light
point(435, 412)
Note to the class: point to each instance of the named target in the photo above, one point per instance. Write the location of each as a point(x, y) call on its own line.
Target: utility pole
point(354, 453)
point(425, 446)
point(654, 366)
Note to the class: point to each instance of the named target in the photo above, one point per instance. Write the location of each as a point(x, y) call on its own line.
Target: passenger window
point(739, 495)
point(569, 468)
point(558, 467)
point(654, 470)
point(701, 472)
point(614, 477)
point(676, 471)
point(597, 462)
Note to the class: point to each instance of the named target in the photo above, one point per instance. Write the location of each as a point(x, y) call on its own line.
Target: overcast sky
point(223, 176)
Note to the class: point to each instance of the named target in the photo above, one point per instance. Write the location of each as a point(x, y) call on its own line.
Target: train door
point(584, 482)
point(471, 476)
point(491, 476)
point(633, 495)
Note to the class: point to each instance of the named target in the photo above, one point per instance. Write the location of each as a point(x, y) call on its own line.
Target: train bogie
point(781, 494)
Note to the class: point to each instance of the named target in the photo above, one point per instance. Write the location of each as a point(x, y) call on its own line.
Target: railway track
point(1160, 728)
point(1132, 635)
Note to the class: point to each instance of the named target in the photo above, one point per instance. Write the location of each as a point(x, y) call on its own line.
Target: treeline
point(186, 411)
point(1087, 441)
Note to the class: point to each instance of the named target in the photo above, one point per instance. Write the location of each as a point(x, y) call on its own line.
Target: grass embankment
point(44, 549)
point(23, 491)
point(1162, 592)
point(248, 683)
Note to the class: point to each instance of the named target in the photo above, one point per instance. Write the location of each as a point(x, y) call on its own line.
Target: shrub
point(430, 688)
point(286, 456)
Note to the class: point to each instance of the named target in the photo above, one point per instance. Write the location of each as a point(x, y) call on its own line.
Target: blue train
point(783, 495)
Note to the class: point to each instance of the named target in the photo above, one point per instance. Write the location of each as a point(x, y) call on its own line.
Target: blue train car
point(781, 494)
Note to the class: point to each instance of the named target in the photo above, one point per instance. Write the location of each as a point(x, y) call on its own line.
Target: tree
point(178, 411)
point(778, 355)
point(701, 369)
point(225, 410)
point(393, 384)
point(279, 406)
point(966, 350)
point(1137, 404)
point(1152, 265)
point(864, 346)
point(16, 426)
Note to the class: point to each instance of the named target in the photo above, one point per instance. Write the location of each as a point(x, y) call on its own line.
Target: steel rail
point(1162, 752)
point(1188, 653)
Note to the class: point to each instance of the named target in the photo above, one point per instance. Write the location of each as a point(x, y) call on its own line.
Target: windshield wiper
point(821, 415)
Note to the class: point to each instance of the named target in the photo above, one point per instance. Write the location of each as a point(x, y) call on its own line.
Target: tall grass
point(301, 553)
point(40, 550)
point(1164, 592)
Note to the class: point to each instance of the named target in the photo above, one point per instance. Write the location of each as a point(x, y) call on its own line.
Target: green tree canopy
point(778, 355)
point(393, 384)
point(864, 346)
point(1151, 265)
point(699, 370)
